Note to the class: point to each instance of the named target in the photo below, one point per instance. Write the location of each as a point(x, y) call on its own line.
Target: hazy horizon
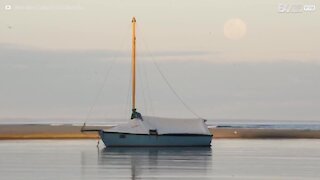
point(226, 59)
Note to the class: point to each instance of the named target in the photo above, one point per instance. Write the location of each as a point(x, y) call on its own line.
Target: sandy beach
point(37, 131)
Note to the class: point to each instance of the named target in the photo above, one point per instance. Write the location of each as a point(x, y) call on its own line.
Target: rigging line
point(148, 98)
point(114, 58)
point(142, 88)
point(174, 92)
point(100, 90)
point(127, 106)
point(167, 82)
point(145, 74)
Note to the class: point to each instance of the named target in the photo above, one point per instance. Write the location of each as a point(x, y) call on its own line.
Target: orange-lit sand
point(44, 132)
point(74, 132)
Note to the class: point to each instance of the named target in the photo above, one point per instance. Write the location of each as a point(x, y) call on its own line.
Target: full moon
point(234, 29)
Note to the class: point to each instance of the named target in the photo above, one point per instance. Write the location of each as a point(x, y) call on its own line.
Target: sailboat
point(154, 131)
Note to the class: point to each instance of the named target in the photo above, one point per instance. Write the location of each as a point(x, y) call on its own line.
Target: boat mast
point(133, 63)
point(134, 114)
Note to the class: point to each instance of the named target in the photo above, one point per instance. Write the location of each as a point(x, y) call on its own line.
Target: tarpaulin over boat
point(162, 126)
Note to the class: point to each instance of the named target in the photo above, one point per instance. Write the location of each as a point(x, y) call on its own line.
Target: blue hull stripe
point(123, 139)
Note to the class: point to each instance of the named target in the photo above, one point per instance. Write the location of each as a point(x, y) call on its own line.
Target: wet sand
point(36, 131)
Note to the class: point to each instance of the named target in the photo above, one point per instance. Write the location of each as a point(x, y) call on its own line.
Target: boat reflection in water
point(156, 162)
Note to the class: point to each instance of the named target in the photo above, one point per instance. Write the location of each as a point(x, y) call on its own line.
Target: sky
point(225, 59)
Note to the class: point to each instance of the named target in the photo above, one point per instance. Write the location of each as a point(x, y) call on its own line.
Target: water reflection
point(156, 162)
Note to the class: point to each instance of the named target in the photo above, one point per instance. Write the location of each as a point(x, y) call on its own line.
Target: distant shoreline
point(66, 131)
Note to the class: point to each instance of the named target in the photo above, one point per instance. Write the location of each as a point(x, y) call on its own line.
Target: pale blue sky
point(54, 56)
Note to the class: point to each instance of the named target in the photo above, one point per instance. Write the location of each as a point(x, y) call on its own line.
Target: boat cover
point(162, 126)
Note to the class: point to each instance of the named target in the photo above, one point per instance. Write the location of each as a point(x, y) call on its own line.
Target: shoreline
point(39, 131)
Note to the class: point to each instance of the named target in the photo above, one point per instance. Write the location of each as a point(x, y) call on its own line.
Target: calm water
point(227, 159)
